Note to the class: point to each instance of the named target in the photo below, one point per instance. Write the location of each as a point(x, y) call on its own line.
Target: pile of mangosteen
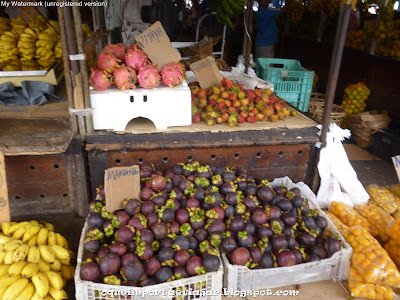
point(187, 214)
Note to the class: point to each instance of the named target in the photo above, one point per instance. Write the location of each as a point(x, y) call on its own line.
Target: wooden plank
point(4, 204)
point(34, 136)
point(36, 169)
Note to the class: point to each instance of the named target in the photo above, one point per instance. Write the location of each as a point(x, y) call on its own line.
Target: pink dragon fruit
point(136, 58)
point(116, 49)
point(172, 74)
point(100, 80)
point(108, 62)
point(125, 78)
point(149, 77)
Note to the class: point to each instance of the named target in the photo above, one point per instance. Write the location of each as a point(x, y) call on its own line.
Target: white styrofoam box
point(335, 267)
point(204, 287)
point(164, 106)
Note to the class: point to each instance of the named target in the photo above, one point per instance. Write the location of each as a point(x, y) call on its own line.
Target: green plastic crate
point(291, 81)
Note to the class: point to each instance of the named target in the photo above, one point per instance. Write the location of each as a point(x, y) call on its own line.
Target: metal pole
point(82, 65)
point(67, 69)
point(248, 29)
point(334, 70)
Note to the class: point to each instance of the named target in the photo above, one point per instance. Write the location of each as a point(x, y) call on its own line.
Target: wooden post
point(4, 204)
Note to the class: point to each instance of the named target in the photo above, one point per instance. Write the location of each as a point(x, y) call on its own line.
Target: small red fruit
point(228, 103)
point(278, 107)
point(257, 92)
point(196, 118)
point(268, 111)
point(225, 117)
point(216, 90)
point(237, 103)
point(212, 102)
point(224, 95)
point(227, 83)
point(213, 97)
point(241, 119)
point(255, 111)
point(244, 113)
point(221, 105)
point(195, 89)
point(232, 96)
point(251, 119)
point(273, 118)
point(244, 101)
point(260, 117)
point(293, 113)
point(202, 93)
point(233, 110)
point(241, 95)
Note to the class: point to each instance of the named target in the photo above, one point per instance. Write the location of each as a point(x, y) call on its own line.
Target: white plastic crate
point(336, 267)
point(164, 106)
point(204, 286)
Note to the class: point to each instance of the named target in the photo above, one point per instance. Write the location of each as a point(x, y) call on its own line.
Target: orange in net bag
point(393, 249)
point(377, 217)
point(338, 224)
point(350, 217)
point(393, 230)
point(383, 197)
point(370, 259)
point(359, 288)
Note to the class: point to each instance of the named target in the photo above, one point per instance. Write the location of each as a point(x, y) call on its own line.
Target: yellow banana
point(48, 55)
point(34, 222)
point(56, 265)
point(16, 268)
point(59, 240)
point(47, 254)
point(13, 52)
point(2, 255)
point(33, 255)
point(30, 233)
point(51, 238)
point(31, 32)
point(66, 245)
point(21, 231)
point(42, 236)
point(29, 270)
point(49, 226)
point(9, 258)
point(48, 45)
point(20, 253)
point(4, 239)
point(27, 293)
point(6, 280)
point(43, 266)
point(55, 280)
point(32, 241)
point(66, 262)
point(4, 269)
point(36, 295)
point(11, 244)
point(2, 291)
point(5, 227)
point(7, 38)
point(15, 289)
point(41, 283)
point(60, 252)
point(67, 272)
point(7, 46)
point(57, 294)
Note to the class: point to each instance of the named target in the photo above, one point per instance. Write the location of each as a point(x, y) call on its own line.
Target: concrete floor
point(369, 169)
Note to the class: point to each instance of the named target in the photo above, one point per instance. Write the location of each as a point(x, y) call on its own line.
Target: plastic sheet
point(30, 93)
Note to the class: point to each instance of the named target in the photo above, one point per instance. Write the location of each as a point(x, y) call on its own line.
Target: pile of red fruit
point(128, 66)
point(231, 103)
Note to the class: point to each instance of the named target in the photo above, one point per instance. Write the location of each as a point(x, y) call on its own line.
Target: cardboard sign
point(396, 163)
point(121, 183)
point(157, 45)
point(4, 205)
point(206, 72)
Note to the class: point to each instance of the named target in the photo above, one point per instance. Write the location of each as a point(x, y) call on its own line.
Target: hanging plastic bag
point(339, 181)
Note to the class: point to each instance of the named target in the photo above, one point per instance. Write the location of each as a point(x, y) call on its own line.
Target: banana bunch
point(18, 25)
point(87, 32)
point(9, 51)
point(37, 23)
point(45, 45)
point(26, 44)
point(226, 9)
point(4, 25)
point(34, 261)
point(58, 50)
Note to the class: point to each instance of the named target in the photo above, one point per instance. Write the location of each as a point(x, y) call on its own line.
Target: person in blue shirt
point(267, 31)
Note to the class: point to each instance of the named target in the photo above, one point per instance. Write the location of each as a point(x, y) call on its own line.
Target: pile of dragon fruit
point(127, 67)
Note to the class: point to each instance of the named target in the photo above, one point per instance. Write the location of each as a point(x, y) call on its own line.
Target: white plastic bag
point(338, 179)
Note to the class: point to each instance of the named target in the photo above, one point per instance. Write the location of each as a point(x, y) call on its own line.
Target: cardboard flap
point(156, 44)
point(121, 183)
point(4, 205)
point(207, 72)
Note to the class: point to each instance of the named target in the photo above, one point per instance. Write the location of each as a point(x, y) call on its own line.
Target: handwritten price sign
point(4, 207)
point(121, 183)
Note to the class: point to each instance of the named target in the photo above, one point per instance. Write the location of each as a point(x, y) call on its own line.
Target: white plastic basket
point(164, 106)
point(336, 267)
point(207, 286)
